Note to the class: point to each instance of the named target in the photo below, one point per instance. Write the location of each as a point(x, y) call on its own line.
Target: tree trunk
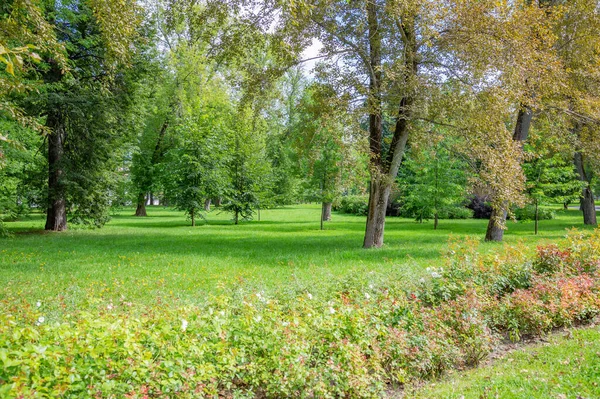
point(495, 229)
point(496, 226)
point(326, 207)
point(589, 207)
point(385, 171)
point(56, 217)
point(207, 205)
point(218, 201)
point(193, 216)
point(566, 206)
point(435, 221)
point(378, 200)
point(537, 218)
point(237, 217)
point(587, 203)
point(151, 198)
point(141, 205)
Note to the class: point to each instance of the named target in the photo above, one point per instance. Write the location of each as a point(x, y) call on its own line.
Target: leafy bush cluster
point(353, 205)
point(449, 212)
point(352, 343)
point(528, 213)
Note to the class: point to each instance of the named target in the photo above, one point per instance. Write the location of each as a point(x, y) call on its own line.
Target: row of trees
point(200, 101)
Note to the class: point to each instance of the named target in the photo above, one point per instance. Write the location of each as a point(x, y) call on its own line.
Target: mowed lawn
point(564, 366)
point(163, 258)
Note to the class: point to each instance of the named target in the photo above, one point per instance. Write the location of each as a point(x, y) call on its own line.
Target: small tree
point(550, 179)
point(432, 180)
point(247, 167)
point(325, 145)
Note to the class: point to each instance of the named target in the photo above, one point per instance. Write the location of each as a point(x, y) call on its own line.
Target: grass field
point(566, 366)
point(161, 256)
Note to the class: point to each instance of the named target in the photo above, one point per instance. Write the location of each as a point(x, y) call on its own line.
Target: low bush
point(353, 342)
point(528, 213)
point(451, 212)
point(352, 204)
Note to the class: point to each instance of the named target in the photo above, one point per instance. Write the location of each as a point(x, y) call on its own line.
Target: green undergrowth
point(360, 338)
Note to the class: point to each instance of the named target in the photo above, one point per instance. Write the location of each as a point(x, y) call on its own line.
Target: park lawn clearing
point(565, 365)
point(162, 258)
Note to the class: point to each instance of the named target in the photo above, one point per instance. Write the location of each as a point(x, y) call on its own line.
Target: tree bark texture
point(326, 211)
point(56, 217)
point(495, 232)
point(207, 205)
point(140, 210)
point(587, 203)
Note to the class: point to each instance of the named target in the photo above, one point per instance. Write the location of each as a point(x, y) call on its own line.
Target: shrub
point(481, 207)
point(350, 342)
point(528, 213)
point(353, 204)
point(451, 212)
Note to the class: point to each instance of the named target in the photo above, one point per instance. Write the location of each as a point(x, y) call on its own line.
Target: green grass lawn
point(564, 367)
point(161, 256)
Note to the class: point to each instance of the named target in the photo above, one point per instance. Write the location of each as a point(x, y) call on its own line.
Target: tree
point(81, 93)
point(324, 141)
point(550, 179)
point(247, 166)
point(432, 181)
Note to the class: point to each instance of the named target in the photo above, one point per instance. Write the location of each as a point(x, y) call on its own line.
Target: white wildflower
point(258, 318)
point(40, 320)
point(422, 280)
point(331, 310)
point(367, 295)
point(285, 323)
point(38, 304)
point(110, 306)
point(184, 324)
point(435, 275)
point(309, 295)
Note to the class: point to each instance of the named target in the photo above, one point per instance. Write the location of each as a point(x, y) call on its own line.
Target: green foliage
point(433, 183)
point(352, 204)
point(551, 179)
point(247, 168)
point(528, 213)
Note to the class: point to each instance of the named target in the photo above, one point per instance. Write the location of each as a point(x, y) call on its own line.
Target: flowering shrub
point(352, 342)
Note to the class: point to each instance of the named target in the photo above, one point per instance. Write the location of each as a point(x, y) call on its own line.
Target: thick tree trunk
point(56, 217)
point(378, 200)
point(326, 214)
point(588, 207)
point(140, 210)
point(207, 205)
point(495, 229)
point(586, 202)
point(496, 226)
point(385, 171)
